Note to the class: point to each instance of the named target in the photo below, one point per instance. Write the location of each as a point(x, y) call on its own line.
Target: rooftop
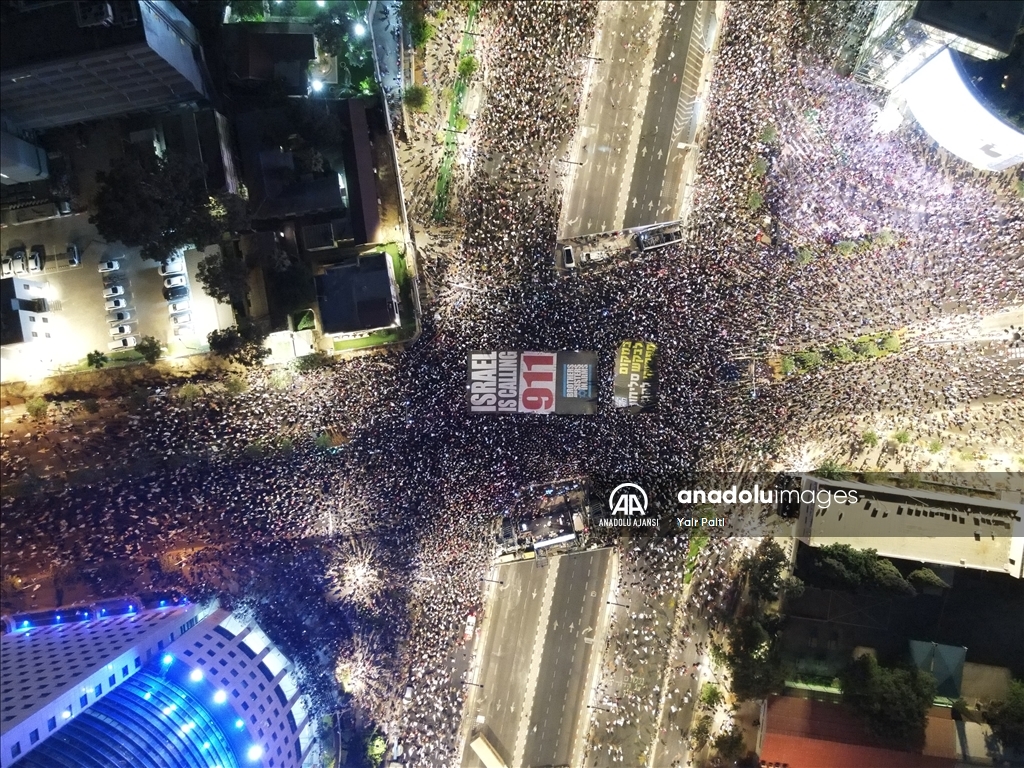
point(357, 295)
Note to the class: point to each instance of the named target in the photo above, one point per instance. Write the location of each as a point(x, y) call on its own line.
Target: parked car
point(174, 281)
point(6, 267)
point(185, 329)
point(74, 258)
point(590, 257)
point(113, 290)
point(115, 304)
point(18, 262)
point(36, 258)
point(120, 317)
point(120, 330)
point(109, 266)
point(178, 292)
point(178, 306)
point(173, 266)
point(182, 319)
point(567, 257)
point(126, 343)
point(470, 626)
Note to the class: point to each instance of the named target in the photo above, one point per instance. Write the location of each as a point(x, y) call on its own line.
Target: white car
point(18, 263)
point(120, 330)
point(73, 257)
point(185, 329)
point(470, 626)
point(36, 257)
point(6, 267)
point(172, 267)
point(175, 280)
point(120, 317)
point(115, 304)
point(592, 256)
point(178, 306)
point(109, 266)
point(126, 343)
point(183, 319)
point(567, 257)
point(113, 290)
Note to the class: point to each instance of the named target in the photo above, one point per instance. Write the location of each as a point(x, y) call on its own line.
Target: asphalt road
point(535, 660)
point(559, 700)
point(627, 163)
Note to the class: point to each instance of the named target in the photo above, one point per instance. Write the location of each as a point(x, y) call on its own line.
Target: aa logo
point(627, 500)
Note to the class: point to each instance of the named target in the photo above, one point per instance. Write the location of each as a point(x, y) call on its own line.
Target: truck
point(488, 756)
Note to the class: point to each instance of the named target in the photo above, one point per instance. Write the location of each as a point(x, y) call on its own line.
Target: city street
point(536, 657)
point(626, 161)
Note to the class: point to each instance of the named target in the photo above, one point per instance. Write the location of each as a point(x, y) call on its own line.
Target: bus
point(483, 749)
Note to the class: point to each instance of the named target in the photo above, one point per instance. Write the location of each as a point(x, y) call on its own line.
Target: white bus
point(486, 752)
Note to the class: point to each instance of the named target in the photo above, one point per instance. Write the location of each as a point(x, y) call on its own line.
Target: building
point(71, 62)
point(25, 316)
point(265, 52)
point(805, 733)
point(928, 526)
point(358, 295)
point(150, 681)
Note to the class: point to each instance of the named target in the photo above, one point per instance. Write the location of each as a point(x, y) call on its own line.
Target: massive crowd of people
point(415, 479)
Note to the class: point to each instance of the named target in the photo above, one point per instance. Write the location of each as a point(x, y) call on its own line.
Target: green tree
point(242, 344)
point(225, 278)
point(926, 577)
point(934, 446)
point(729, 744)
point(885, 237)
point(759, 167)
point(890, 343)
point(754, 200)
point(235, 385)
point(189, 392)
point(468, 67)
point(96, 359)
point(417, 97)
point(792, 586)
point(710, 695)
point(788, 365)
point(804, 255)
point(842, 567)
point(701, 732)
point(461, 122)
point(902, 437)
point(764, 570)
point(846, 248)
point(841, 353)
point(831, 470)
point(894, 701)
point(156, 204)
point(330, 33)
point(768, 134)
point(150, 349)
point(323, 441)
point(247, 10)
point(422, 32)
point(754, 660)
point(37, 407)
point(808, 360)
point(1007, 717)
point(870, 439)
point(867, 349)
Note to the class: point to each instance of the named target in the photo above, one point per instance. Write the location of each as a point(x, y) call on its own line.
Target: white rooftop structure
point(926, 526)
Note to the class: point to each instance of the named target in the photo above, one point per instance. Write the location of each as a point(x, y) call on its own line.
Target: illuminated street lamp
point(318, 85)
point(359, 29)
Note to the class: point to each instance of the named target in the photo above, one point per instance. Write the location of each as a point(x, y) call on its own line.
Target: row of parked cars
point(19, 262)
point(120, 317)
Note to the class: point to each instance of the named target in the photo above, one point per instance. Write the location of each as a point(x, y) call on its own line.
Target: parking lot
point(79, 321)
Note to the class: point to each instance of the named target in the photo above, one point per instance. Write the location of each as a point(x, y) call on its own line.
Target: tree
point(764, 570)
point(701, 732)
point(870, 439)
point(759, 168)
point(808, 360)
point(842, 567)
point(96, 359)
point(461, 122)
point(831, 470)
point(225, 278)
point(791, 586)
point(150, 349)
point(710, 695)
point(729, 744)
point(754, 660)
point(189, 392)
point(235, 385)
point(768, 134)
point(421, 31)
point(926, 577)
point(890, 343)
point(894, 701)
point(754, 200)
point(468, 67)
point(329, 33)
point(37, 407)
point(1007, 717)
point(156, 204)
point(417, 97)
point(240, 344)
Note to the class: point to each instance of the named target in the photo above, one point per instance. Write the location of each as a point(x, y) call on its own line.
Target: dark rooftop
point(356, 295)
point(994, 23)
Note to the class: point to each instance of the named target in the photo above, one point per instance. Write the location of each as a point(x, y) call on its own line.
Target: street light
point(493, 581)
point(466, 682)
point(359, 29)
point(571, 162)
point(612, 602)
point(318, 85)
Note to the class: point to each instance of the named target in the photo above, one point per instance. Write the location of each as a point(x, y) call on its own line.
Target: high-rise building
point(135, 683)
point(72, 62)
